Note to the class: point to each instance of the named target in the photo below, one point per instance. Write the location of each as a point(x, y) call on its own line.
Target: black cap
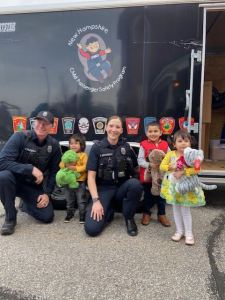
point(45, 115)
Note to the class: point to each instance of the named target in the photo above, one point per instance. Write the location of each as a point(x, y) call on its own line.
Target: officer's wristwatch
point(95, 199)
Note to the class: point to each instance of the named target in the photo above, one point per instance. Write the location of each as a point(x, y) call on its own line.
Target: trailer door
point(173, 39)
point(212, 138)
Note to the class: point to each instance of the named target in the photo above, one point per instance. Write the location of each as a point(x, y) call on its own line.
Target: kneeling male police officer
point(28, 164)
point(110, 166)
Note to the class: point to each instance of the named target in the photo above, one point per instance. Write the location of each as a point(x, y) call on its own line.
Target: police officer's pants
point(10, 187)
point(129, 193)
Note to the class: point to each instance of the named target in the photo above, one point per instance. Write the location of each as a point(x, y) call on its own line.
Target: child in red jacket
point(153, 141)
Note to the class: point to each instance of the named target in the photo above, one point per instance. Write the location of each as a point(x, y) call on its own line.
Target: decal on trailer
point(19, 123)
point(83, 125)
point(68, 125)
point(132, 125)
point(167, 125)
point(54, 128)
point(147, 121)
point(99, 124)
point(95, 57)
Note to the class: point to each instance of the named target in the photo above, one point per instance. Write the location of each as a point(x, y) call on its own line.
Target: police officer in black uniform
point(28, 164)
point(111, 165)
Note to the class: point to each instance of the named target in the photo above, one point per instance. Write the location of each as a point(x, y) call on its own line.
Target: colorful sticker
point(83, 125)
point(147, 121)
point(183, 123)
point(19, 123)
point(132, 125)
point(167, 125)
point(68, 125)
point(99, 124)
point(54, 128)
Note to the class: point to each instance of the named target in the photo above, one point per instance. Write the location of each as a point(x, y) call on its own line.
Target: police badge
point(49, 149)
point(123, 151)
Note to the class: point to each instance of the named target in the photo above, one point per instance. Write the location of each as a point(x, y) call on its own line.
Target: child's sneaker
point(69, 216)
point(82, 219)
point(177, 237)
point(189, 240)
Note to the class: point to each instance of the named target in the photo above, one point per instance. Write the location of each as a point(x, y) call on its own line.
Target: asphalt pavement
point(59, 261)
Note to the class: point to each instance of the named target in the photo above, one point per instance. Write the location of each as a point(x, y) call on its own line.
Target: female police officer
point(110, 168)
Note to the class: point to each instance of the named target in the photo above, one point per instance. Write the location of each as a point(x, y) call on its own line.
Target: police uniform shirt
point(10, 154)
point(94, 156)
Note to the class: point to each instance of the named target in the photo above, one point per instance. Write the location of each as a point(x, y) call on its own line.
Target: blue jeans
point(11, 186)
point(150, 200)
point(128, 195)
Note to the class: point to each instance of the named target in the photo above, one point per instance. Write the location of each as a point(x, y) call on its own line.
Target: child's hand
point(71, 166)
point(178, 174)
point(108, 50)
point(172, 167)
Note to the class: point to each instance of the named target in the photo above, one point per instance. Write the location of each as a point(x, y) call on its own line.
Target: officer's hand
point(42, 201)
point(97, 211)
point(38, 175)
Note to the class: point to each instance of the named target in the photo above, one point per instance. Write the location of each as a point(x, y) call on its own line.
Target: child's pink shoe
point(189, 240)
point(177, 237)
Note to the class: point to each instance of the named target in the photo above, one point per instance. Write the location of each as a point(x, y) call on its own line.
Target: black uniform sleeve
point(53, 167)
point(93, 158)
point(9, 156)
point(133, 157)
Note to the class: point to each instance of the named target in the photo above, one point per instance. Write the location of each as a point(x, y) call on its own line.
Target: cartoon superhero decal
point(96, 66)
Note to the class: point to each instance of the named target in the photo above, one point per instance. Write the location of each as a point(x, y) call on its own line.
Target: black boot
point(8, 227)
point(131, 227)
